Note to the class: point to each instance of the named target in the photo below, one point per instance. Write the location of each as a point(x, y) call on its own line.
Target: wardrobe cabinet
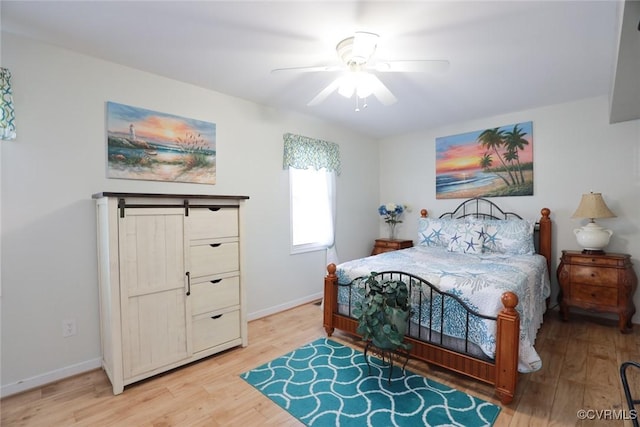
point(170, 281)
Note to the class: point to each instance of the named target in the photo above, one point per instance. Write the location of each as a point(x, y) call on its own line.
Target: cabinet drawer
point(206, 223)
point(597, 276)
point(607, 261)
point(212, 259)
point(213, 295)
point(213, 330)
point(594, 295)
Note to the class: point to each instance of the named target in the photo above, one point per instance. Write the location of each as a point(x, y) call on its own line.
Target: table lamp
point(592, 237)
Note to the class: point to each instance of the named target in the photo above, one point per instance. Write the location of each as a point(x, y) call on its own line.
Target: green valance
point(302, 152)
point(7, 115)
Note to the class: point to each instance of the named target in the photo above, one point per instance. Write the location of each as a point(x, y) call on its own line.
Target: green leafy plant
point(383, 312)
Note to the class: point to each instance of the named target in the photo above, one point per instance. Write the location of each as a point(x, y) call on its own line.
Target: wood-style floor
point(581, 371)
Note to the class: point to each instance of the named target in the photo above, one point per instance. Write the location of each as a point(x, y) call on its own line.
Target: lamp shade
point(592, 237)
point(592, 206)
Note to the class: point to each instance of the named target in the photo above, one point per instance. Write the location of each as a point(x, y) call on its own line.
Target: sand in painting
point(484, 190)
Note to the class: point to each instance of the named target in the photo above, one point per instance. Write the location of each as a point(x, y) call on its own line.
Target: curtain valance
point(302, 152)
point(7, 115)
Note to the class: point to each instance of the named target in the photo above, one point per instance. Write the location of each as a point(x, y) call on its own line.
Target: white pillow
point(509, 236)
point(467, 237)
point(435, 232)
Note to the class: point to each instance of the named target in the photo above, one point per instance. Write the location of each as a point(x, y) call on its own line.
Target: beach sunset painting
point(149, 145)
point(491, 162)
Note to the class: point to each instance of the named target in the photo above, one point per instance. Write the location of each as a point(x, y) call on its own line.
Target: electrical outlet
point(68, 327)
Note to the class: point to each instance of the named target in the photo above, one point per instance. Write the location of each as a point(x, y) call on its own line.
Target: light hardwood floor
point(581, 371)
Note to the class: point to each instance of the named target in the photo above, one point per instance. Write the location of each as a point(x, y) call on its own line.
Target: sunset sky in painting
point(462, 153)
point(155, 126)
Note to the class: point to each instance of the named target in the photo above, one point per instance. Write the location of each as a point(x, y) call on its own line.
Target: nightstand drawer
point(594, 295)
point(606, 277)
point(388, 245)
point(600, 261)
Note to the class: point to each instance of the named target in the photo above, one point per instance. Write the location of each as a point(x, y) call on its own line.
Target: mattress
point(478, 280)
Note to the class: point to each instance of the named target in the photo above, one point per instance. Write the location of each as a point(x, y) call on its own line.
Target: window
point(311, 193)
point(313, 165)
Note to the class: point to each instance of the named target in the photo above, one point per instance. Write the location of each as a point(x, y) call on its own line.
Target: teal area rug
point(325, 383)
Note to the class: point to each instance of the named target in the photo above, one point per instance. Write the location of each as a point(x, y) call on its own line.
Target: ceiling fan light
point(365, 84)
point(347, 86)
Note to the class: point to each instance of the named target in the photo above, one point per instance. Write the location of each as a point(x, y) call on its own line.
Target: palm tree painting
point(149, 145)
point(492, 162)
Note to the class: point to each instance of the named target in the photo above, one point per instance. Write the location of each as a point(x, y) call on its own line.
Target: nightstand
point(388, 245)
point(603, 283)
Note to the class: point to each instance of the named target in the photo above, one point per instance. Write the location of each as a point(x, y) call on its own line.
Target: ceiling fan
point(358, 67)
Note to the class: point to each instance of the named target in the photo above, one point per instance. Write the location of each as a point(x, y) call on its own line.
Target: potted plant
point(383, 312)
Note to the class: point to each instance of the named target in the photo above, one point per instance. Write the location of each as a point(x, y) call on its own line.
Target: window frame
point(330, 193)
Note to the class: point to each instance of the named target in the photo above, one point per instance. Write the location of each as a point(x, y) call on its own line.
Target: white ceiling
point(504, 56)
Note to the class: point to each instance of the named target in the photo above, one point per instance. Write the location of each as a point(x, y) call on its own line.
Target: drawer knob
point(215, 281)
point(215, 245)
point(216, 317)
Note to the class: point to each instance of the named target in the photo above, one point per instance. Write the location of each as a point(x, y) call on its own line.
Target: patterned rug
point(325, 383)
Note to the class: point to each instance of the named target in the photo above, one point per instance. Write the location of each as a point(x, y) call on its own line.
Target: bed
point(479, 286)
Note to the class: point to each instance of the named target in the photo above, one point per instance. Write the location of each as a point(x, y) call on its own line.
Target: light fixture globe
point(591, 237)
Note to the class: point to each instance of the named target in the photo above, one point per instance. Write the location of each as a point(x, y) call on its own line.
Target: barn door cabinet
point(170, 278)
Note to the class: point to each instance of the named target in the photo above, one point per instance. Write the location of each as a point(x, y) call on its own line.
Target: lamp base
point(593, 252)
point(592, 237)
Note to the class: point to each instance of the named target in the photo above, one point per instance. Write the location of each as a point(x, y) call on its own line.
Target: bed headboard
point(478, 207)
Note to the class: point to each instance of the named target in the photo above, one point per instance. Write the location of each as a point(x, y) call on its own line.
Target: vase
point(392, 231)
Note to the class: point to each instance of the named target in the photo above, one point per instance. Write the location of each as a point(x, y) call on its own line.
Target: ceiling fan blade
point(324, 93)
point(412, 66)
point(309, 69)
point(381, 92)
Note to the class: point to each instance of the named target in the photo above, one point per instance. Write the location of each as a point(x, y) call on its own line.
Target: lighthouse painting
point(149, 145)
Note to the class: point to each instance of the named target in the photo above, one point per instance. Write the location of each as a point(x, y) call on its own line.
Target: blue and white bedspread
point(478, 279)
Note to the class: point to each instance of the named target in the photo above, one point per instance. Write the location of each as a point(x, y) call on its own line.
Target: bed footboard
point(502, 372)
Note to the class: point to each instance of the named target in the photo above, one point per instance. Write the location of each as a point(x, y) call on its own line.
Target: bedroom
point(49, 173)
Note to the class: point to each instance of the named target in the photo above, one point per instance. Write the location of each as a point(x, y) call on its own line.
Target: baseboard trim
point(282, 307)
point(49, 377)
point(79, 368)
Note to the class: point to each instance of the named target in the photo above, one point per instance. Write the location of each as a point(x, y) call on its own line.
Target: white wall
point(49, 173)
point(576, 150)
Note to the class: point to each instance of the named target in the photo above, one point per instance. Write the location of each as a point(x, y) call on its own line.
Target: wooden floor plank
point(581, 360)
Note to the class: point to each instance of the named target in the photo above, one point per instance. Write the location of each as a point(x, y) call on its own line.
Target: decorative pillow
point(467, 237)
point(509, 236)
point(435, 232)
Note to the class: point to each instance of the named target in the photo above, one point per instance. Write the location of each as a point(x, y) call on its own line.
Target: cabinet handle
point(188, 283)
point(215, 281)
point(216, 317)
point(214, 209)
point(215, 245)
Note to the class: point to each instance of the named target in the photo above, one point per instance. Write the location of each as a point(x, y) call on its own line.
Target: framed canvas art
point(486, 163)
point(149, 145)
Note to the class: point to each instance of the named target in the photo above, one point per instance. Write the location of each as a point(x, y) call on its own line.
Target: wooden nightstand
point(388, 245)
point(604, 283)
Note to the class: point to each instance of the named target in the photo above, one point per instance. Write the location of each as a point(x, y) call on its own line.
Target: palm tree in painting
point(514, 141)
point(485, 163)
point(512, 156)
point(493, 139)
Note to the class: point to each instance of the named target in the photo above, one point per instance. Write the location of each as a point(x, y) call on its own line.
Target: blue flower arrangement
point(391, 213)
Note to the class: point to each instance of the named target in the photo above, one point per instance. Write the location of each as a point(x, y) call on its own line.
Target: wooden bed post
point(330, 298)
point(507, 346)
point(544, 238)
